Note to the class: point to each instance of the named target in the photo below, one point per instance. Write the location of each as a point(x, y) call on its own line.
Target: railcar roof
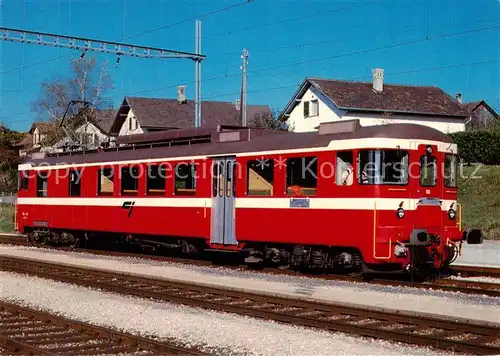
point(259, 141)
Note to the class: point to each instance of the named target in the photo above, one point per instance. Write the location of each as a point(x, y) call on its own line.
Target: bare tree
point(89, 81)
point(268, 120)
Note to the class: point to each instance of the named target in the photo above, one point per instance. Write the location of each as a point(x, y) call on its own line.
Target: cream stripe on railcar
point(249, 203)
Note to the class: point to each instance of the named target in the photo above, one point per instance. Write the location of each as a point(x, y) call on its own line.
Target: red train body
point(322, 199)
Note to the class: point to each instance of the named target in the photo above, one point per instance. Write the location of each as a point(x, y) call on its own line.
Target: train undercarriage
point(322, 259)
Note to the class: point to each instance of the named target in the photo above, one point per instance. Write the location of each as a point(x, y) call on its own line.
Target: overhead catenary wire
point(313, 60)
point(295, 85)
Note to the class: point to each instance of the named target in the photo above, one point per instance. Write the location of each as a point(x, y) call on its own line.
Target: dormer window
point(314, 107)
point(311, 108)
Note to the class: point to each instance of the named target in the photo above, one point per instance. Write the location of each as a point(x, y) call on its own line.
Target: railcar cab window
point(384, 167)
point(185, 179)
point(129, 181)
point(105, 179)
point(344, 171)
point(74, 183)
point(41, 184)
point(450, 171)
point(301, 176)
point(155, 183)
point(428, 171)
point(260, 177)
point(23, 180)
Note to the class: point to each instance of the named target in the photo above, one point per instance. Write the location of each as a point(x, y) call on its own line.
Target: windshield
point(383, 167)
point(450, 171)
point(428, 170)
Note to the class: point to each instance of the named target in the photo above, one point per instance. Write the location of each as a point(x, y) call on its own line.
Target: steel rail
point(428, 330)
point(441, 283)
point(34, 332)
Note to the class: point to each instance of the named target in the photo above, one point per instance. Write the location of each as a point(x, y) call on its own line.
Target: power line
point(305, 44)
point(135, 35)
point(191, 19)
point(298, 18)
point(325, 58)
point(363, 77)
point(295, 85)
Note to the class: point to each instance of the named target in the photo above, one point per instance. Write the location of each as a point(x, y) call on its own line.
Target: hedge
point(478, 146)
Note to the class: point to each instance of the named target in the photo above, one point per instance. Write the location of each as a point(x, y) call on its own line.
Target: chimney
point(181, 94)
point(237, 104)
point(459, 97)
point(378, 80)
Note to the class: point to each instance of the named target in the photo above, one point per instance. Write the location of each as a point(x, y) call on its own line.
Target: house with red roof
point(137, 115)
point(373, 103)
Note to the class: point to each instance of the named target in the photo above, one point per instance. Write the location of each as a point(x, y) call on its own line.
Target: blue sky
point(451, 44)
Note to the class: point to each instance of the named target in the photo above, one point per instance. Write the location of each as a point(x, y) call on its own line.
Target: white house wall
point(92, 129)
point(446, 125)
point(125, 129)
point(328, 112)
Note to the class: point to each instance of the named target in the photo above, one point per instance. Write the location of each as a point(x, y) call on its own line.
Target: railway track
point(26, 331)
point(457, 336)
point(442, 284)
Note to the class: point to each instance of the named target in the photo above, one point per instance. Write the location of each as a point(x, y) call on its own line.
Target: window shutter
point(306, 109)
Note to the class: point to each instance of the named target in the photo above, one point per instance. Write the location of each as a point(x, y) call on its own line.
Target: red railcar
point(379, 197)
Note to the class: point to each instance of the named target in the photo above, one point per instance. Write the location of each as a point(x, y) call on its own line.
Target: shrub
point(478, 146)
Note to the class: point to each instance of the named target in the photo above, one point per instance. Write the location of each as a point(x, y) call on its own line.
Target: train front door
point(223, 201)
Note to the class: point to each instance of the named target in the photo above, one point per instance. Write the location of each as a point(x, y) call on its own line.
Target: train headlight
point(400, 213)
point(452, 214)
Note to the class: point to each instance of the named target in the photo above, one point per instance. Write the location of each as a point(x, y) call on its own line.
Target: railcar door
point(223, 201)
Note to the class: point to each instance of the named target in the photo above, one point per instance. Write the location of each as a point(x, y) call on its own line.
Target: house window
point(301, 176)
point(260, 177)
point(130, 180)
point(136, 124)
point(314, 108)
point(23, 180)
point(155, 183)
point(306, 109)
point(185, 179)
point(105, 179)
point(130, 123)
point(74, 183)
point(41, 184)
point(344, 172)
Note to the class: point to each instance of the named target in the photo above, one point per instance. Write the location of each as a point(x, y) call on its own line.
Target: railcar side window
point(344, 171)
point(387, 167)
point(428, 171)
point(450, 171)
point(260, 177)
point(105, 179)
point(155, 183)
point(41, 184)
point(129, 180)
point(23, 180)
point(74, 183)
point(301, 176)
point(185, 179)
point(215, 178)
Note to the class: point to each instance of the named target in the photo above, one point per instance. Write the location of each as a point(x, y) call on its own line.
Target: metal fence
point(8, 197)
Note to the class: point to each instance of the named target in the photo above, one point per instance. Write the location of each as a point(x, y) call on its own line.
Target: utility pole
point(197, 103)
point(244, 56)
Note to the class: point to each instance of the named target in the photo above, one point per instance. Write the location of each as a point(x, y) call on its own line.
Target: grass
point(6, 218)
point(479, 194)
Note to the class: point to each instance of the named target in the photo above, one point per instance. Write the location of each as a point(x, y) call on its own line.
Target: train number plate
point(299, 203)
